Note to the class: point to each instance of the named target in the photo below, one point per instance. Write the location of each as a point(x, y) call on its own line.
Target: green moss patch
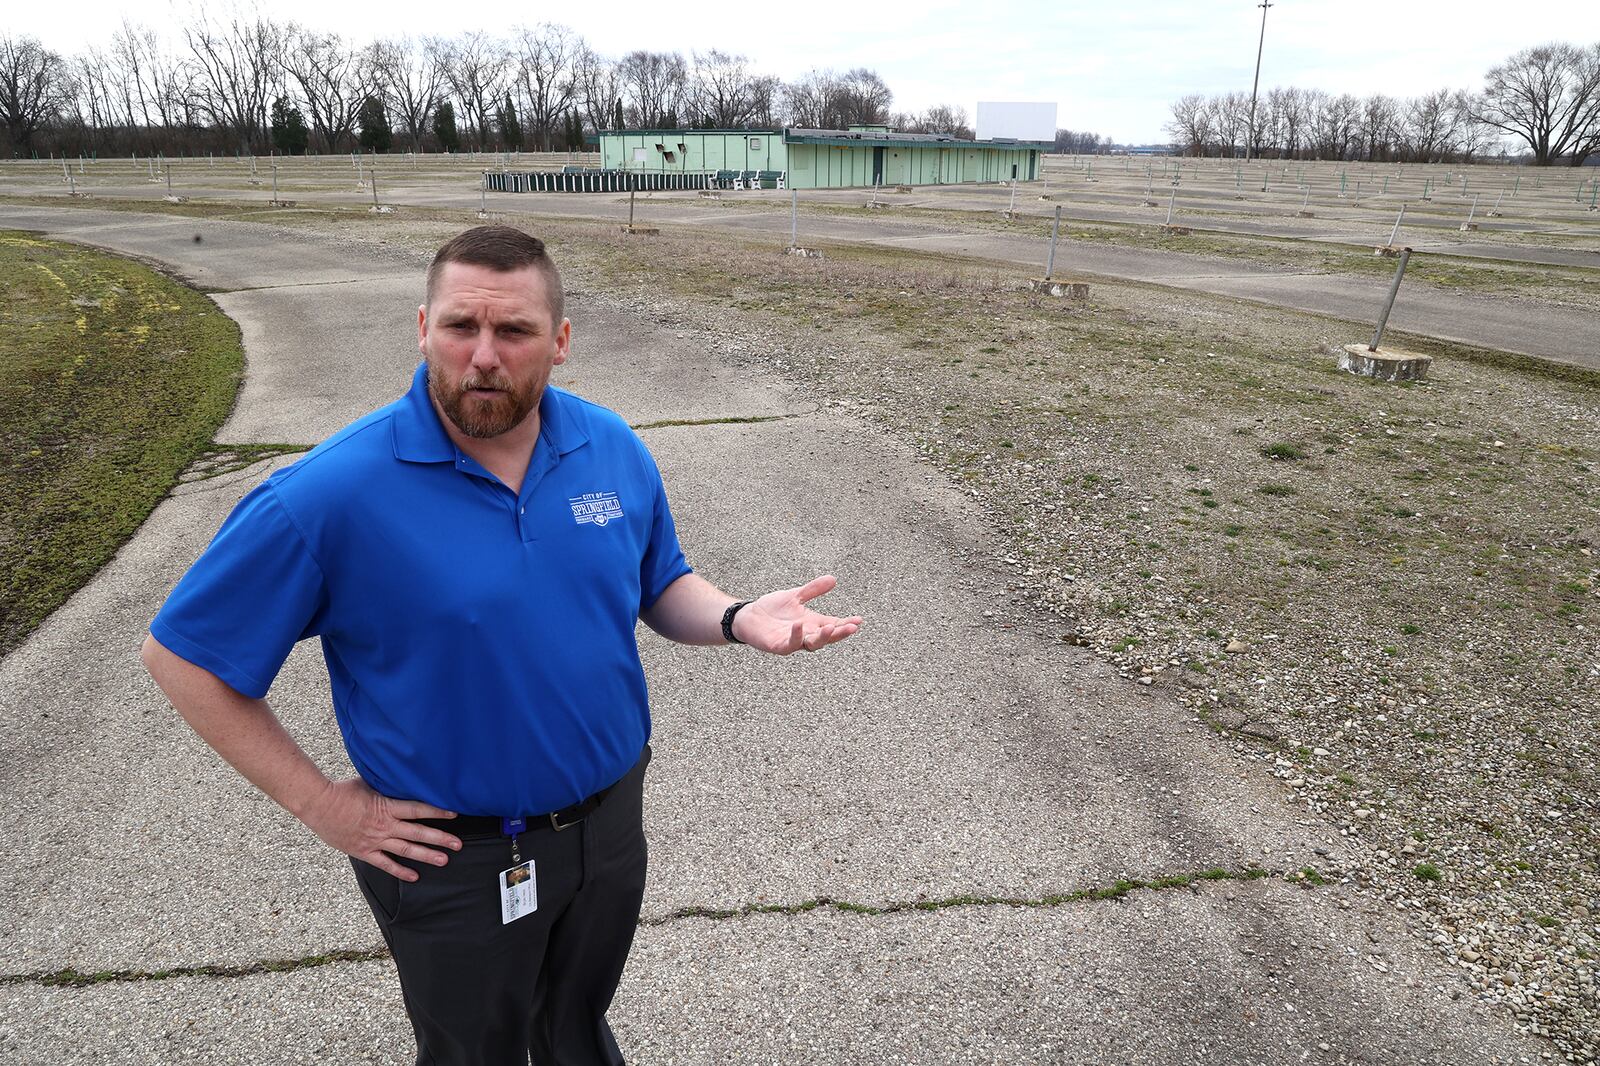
point(113, 379)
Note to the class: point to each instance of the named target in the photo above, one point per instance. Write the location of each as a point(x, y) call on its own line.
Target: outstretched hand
point(781, 623)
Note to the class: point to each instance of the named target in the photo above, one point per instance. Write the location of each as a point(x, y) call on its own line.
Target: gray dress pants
point(480, 993)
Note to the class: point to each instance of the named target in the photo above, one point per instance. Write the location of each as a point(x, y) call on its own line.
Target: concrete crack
point(731, 420)
point(73, 978)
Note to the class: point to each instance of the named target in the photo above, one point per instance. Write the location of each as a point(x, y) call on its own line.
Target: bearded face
point(483, 405)
point(491, 344)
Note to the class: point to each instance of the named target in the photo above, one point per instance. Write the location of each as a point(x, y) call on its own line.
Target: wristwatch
point(727, 621)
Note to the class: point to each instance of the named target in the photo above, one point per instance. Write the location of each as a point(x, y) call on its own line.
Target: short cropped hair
point(503, 248)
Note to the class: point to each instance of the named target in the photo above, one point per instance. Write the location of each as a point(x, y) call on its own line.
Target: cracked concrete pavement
point(940, 754)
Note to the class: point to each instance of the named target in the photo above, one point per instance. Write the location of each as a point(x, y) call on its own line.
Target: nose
point(484, 356)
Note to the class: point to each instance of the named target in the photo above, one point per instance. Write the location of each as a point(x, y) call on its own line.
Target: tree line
point(1543, 103)
point(249, 83)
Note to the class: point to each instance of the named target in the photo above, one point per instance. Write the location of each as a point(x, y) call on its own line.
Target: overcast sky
point(1112, 67)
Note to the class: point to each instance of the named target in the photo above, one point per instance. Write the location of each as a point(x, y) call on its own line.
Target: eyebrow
point(451, 318)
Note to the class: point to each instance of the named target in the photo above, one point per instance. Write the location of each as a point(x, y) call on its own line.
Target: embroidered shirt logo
point(595, 508)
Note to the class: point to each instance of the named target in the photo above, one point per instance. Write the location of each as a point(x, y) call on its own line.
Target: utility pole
point(1250, 130)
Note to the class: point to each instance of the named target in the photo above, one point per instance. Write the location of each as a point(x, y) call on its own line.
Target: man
point(475, 558)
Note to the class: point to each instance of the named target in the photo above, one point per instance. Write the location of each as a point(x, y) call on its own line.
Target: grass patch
point(1283, 450)
point(113, 379)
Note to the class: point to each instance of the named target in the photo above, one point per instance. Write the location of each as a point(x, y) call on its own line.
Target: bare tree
point(1473, 136)
point(1430, 127)
point(331, 80)
point(1296, 120)
point(545, 76)
point(946, 118)
point(863, 99)
point(477, 68)
point(1190, 126)
point(1549, 97)
point(725, 93)
point(35, 87)
point(237, 73)
point(93, 113)
point(142, 74)
point(409, 76)
point(808, 99)
point(1335, 121)
point(654, 88)
point(599, 88)
point(1379, 117)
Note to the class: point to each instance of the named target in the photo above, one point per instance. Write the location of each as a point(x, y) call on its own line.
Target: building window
point(639, 154)
point(755, 144)
point(670, 156)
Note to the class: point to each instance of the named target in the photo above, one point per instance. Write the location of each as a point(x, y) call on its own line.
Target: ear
point(422, 328)
point(563, 342)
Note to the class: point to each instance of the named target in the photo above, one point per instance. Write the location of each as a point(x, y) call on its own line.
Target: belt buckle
point(558, 825)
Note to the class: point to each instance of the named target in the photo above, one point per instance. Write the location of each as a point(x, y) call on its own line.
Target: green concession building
point(822, 159)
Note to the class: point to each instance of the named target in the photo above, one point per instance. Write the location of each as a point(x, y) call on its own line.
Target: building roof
point(796, 135)
point(852, 137)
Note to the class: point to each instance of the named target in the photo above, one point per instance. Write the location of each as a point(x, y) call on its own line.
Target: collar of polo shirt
point(419, 436)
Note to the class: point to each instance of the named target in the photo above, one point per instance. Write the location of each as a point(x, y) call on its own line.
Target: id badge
point(519, 892)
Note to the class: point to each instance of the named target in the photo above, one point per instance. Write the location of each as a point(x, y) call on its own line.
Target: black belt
point(483, 825)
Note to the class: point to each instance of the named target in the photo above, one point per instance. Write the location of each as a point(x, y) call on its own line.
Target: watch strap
point(727, 621)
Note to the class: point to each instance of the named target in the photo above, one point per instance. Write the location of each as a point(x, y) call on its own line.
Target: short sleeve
point(663, 561)
point(244, 604)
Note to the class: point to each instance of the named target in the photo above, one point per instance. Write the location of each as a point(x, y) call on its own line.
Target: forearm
point(689, 611)
point(243, 731)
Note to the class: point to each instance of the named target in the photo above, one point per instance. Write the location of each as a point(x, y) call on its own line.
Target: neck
point(505, 456)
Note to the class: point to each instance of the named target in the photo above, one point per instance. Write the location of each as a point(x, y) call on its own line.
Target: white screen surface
point(1016, 121)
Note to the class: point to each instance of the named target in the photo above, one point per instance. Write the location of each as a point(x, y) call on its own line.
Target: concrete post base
point(1494, 214)
point(803, 253)
point(874, 205)
point(1077, 290)
point(1151, 203)
point(280, 203)
point(1388, 251)
point(1465, 226)
point(1385, 364)
point(176, 199)
point(1175, 231)
point(1306, 214)
point(639, 231)
point(381, 209)
point(710, 194)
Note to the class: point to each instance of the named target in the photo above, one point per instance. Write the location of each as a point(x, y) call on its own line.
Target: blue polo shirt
point(480, 645)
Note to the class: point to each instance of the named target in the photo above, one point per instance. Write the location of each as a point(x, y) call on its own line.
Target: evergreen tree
point(444, 127)
point(376, 133)
point(617, 121)
point(510, 128)
point(289, 133)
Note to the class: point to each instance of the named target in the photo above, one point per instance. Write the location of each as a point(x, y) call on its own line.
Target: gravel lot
point(1386, 594)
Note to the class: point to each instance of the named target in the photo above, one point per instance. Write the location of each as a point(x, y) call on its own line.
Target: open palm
point(781, 623)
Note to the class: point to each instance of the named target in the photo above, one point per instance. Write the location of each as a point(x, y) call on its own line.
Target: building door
point(1013, 172)
point(877, 166)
